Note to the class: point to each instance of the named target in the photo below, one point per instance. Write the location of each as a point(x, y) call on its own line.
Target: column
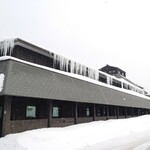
point(94, 112)
point(117, 112)
point(125, 111)
point(6, 116)
point(50, 113)
point(76, 113)
point(107, 111)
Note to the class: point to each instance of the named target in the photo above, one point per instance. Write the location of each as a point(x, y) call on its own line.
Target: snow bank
point(2, 76)
point(123, 134)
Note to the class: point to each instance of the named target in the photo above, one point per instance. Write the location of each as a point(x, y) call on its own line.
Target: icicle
point(61, 63)
point(55, 61)
point(6, 47)
point(60, 60)
point(97, 75)
point(83, 70)
point(64, 64)
point(93, 74)
point(78, 70)
point(72, 66)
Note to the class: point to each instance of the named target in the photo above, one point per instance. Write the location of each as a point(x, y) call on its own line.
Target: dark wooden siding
point(31, 56)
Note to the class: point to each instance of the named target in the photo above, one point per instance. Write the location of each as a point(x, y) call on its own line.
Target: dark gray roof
point(30, 81)
point(32, 47)
point(22, 43)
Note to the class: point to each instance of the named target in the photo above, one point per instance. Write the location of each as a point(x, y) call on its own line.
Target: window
point(28, 108)
point(112, 110)
point(102, 78)
point(62, 109)
point(129, 111)
point(87, 111)
point(101, 110)
point(98, 111)
point(116, 83)
point(31, 111)
point(55, 111)
point(125, 86)
point(122, 111)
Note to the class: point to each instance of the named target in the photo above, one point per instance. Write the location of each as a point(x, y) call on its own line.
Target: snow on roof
point(75, 76)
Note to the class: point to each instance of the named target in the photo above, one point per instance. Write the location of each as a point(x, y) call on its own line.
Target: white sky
point(92, 32)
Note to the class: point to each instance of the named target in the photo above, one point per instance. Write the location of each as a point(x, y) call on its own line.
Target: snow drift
point(122, 134)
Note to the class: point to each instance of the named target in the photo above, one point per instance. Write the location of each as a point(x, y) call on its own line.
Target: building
point(40, 89)
point(113, 71)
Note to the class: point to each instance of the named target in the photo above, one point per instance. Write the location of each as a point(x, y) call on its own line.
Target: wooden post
point(125, 112)
point(6, 115)
point(107, 112)
point(117, 112)
point(94, 112)
point(76, 113)
point(132, 111)
point(50, 113)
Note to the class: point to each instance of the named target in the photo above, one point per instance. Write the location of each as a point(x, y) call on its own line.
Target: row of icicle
point(6, 48)
point(59, 62)
point(74, 67)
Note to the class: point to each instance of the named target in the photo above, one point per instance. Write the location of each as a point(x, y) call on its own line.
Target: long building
point(39, 88)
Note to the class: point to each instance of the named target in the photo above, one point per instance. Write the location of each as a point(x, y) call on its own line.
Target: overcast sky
point(92, 32)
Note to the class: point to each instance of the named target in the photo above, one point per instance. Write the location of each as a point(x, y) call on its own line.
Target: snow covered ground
point(122, 134)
